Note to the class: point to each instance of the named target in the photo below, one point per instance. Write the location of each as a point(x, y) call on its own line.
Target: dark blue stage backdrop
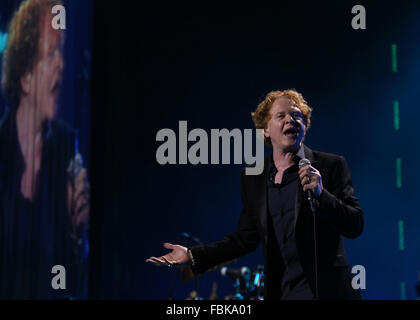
point(211, 66)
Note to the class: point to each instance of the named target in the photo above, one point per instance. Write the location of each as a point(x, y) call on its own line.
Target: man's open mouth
point(291, 132)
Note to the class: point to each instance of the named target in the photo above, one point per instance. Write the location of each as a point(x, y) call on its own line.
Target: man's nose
point(290, 118)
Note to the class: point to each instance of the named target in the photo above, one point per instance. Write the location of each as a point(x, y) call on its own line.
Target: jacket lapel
point(262, 194)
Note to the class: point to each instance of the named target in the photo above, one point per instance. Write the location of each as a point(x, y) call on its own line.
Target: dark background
point(157, 63)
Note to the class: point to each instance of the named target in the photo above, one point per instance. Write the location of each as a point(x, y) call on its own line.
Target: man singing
point(304, 259)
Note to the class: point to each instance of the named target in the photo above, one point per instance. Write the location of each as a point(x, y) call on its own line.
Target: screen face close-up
point(240, 152)
point(44, 149)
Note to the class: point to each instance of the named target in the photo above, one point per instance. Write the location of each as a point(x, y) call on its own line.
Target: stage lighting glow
point(398, 173)
point(402, 288)
point(257, 279)
point(401, 235)
point(3, 41)
point(394, 57)
point(396, 115)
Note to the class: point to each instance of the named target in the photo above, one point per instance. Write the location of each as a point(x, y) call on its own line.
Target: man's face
point(286, 127)
point(46, 76)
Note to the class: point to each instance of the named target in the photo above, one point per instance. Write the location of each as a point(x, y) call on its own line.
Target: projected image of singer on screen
point(44, 190)
point(299, 186)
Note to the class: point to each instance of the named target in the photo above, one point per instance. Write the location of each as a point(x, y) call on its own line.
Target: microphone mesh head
point(304, 162)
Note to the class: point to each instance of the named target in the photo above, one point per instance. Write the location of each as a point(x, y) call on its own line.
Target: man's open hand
point(176, 258)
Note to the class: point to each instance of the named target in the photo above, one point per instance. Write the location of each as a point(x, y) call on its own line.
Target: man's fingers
point(304, 173)
point(82, 191)
point(306, 180)
point(168, 246)
point(81, 195)
point(303, 176)
point(308, 176)
point(153, 261)
point(168, 261)
point(303, 169)
point(163, 260)
point(82, 202)
point(81, 176)
point(83, 215)
point(309, 186)
point(156, 261)
point(308, 170)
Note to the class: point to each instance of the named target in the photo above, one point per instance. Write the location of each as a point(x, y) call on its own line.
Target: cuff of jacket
point(347, 220)
point(198, 260)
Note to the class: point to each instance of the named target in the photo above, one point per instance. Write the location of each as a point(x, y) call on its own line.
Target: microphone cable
point(302, 163)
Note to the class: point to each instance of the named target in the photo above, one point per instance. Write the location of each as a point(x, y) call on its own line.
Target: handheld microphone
point(302, 163)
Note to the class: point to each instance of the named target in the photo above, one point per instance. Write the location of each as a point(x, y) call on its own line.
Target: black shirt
point(281, 206)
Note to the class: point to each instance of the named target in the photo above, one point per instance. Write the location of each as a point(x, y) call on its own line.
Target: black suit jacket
point(338, 214)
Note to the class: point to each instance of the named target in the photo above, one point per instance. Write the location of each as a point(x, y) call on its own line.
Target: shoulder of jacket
point(327, 157)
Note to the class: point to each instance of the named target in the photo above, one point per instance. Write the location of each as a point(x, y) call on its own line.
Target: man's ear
point(266, 133)
point(26, 82)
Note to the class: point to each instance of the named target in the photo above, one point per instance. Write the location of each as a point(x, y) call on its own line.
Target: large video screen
point(45, 49)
